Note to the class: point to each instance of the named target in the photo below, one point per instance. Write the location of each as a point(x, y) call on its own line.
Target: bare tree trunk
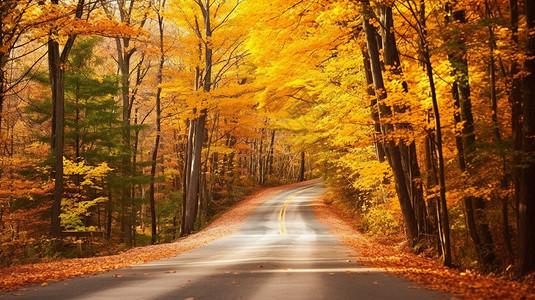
point(109, 211)
point(526, 199)
point(260, 161)
point(195, 177)
point(124, 55)
point(515, 99)
point(301, 176)
point(56, 82)
point(414, 184)
point(269, 158)
point(193, 188)
point(3, 80)
point(187, 175)
point(131, 215)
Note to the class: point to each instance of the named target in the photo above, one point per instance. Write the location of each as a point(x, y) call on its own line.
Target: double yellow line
point(282, 212)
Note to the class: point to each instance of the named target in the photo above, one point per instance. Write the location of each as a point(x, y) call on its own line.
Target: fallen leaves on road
point(417, 268)
point(19, 276)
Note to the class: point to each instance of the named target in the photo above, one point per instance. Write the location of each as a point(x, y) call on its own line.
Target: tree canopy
point(145, 119)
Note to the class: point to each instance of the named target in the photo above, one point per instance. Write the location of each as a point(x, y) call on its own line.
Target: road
point(281, 252)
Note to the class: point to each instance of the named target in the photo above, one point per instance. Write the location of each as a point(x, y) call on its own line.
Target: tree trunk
point(378, 139)
point(3, 80)
point(124, 55)
point(56, 61)
point(474, 206)
point(526, 199)
point(442, 208)
point(301, 176)
point(443, 213)
point(192, 200)
point(269, 158)
point(57, 85)
point(124, 68)
point(515, 99)
point(414, 184)
point(505, 181)
point(187, 175)
point(260, 161)
point(193, 188)
point(391, 149)
point(109, 212)
point(159, 78)
point(409, 159)
point(432, 183)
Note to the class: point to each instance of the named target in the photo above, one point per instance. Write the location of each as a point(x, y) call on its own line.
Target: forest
point(136, 122)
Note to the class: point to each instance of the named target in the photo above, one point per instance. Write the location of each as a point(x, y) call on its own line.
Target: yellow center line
point(282, 212)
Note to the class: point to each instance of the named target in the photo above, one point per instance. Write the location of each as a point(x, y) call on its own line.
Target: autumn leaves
point(428, 92)
point(420, 103)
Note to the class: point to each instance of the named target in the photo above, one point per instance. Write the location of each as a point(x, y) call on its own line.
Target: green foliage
point(169, 208)
point(92, 117)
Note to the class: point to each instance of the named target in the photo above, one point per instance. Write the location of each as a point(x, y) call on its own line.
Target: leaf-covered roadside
point(20, 276)
point(417, 268)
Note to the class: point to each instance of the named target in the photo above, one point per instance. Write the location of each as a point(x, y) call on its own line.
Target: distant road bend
point(281, 252)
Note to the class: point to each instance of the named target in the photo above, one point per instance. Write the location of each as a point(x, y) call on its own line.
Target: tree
point(132, 72)
point(208, 50)
point(393, 151)
point(526, 192)
point(56, 60)
point(159, 14)
point(474, 206)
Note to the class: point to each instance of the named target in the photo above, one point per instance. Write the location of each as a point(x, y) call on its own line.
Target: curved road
point(282, 252)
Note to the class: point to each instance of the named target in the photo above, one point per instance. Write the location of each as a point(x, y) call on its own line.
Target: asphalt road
point(282, 252)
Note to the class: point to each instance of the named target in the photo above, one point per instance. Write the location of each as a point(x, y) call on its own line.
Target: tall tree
point(411, 168)
point(526, 192)
point(474, 206)
point(393, 152)
point(160, 5)
point(202, 21)
point(435, 140)
point(132, 71)
point(56, 63)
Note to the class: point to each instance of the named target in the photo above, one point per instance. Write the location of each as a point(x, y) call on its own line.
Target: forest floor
point(392, 258)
